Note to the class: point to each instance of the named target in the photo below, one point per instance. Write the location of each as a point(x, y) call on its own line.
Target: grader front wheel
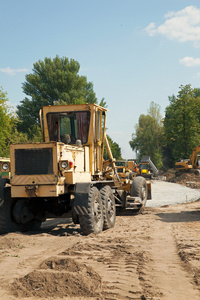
point(8, 219)
point(139, 189)
point(92, 221)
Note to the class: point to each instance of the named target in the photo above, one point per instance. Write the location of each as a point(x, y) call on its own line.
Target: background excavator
point(189, 165)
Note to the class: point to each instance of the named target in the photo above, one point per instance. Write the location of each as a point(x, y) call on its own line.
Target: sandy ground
point(154, 255)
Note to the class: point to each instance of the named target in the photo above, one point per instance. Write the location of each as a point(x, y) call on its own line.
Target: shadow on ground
point(57, 227)
point(183, 216)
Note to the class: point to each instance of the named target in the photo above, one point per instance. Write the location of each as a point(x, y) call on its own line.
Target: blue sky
point(134, 51)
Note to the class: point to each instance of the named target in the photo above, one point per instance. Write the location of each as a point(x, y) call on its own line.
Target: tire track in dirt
point(111, 266)
point(119, 282)
point(117, 266)
point(125, 263)
point(111, 261)
point(168, 271)
point(137, 259)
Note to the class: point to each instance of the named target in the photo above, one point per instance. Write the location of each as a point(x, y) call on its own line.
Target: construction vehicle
point(147, 168)
point(143, 170)
point(66, 174)
point(189, 165)
point(3, 167)
point(132, 165)
point(124, 172)
point(127, 169)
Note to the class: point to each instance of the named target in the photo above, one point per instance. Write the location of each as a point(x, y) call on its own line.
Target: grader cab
point(66, 173)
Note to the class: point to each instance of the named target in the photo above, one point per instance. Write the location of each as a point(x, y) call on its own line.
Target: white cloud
point(183, 25)
point(13, 72)
point(190, 61)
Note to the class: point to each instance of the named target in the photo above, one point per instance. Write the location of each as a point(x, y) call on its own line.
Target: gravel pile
point(167, 193)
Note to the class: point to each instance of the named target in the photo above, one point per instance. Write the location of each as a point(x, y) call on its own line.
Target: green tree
point(115, 149)
point(5, 123)
point(53, 81)
point(182, 123)
point(8, 126)
point(103, 103)
point(148, 138)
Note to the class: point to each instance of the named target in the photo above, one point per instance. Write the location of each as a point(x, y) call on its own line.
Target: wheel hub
point(21, 212)
point(97, 210)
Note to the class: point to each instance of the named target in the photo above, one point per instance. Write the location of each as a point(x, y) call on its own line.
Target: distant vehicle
point(147, 168)
point(189, 165)
point(124, 170)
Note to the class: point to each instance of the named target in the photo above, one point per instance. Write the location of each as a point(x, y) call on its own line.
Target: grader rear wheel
point(92, 222)
point(109, 210)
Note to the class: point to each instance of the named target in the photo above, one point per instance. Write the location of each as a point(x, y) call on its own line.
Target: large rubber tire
point(109, 209)
point(139, 189)
point(7, 222)
point(75, 218)
point(92, 222)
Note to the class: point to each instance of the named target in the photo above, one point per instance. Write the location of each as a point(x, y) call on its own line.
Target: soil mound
point(59, 278)
point(187, 179)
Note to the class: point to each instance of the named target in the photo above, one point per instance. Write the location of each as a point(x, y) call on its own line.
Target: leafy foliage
point(115, 149)
point(57, 82)
point(103, 103)
point(182, 123)
point(53, 81)
point(8, 126)
point(5, 123)
point(147, 140)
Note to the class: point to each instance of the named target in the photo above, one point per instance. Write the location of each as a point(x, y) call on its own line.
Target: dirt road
point(155, 255)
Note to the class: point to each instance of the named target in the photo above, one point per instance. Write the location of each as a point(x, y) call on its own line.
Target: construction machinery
point(127, 169)
point(147, 168)
point(124, 171)
point(66, 174)
point(189, 165)
point(132, 165)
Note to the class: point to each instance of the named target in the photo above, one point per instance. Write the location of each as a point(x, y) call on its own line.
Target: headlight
point(64, 164)
point(5, 166)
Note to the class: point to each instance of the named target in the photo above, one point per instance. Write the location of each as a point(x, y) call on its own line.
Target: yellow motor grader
point(124, 170)
point(66, 173)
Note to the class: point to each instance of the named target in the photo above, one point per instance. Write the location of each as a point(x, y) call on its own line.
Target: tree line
point(52, 82)
point(170, 138)
point(57, 81)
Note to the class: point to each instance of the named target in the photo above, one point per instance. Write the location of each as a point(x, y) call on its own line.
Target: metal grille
point(34, 161)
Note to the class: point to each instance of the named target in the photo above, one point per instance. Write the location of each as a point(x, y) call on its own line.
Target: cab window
point(68, 127)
